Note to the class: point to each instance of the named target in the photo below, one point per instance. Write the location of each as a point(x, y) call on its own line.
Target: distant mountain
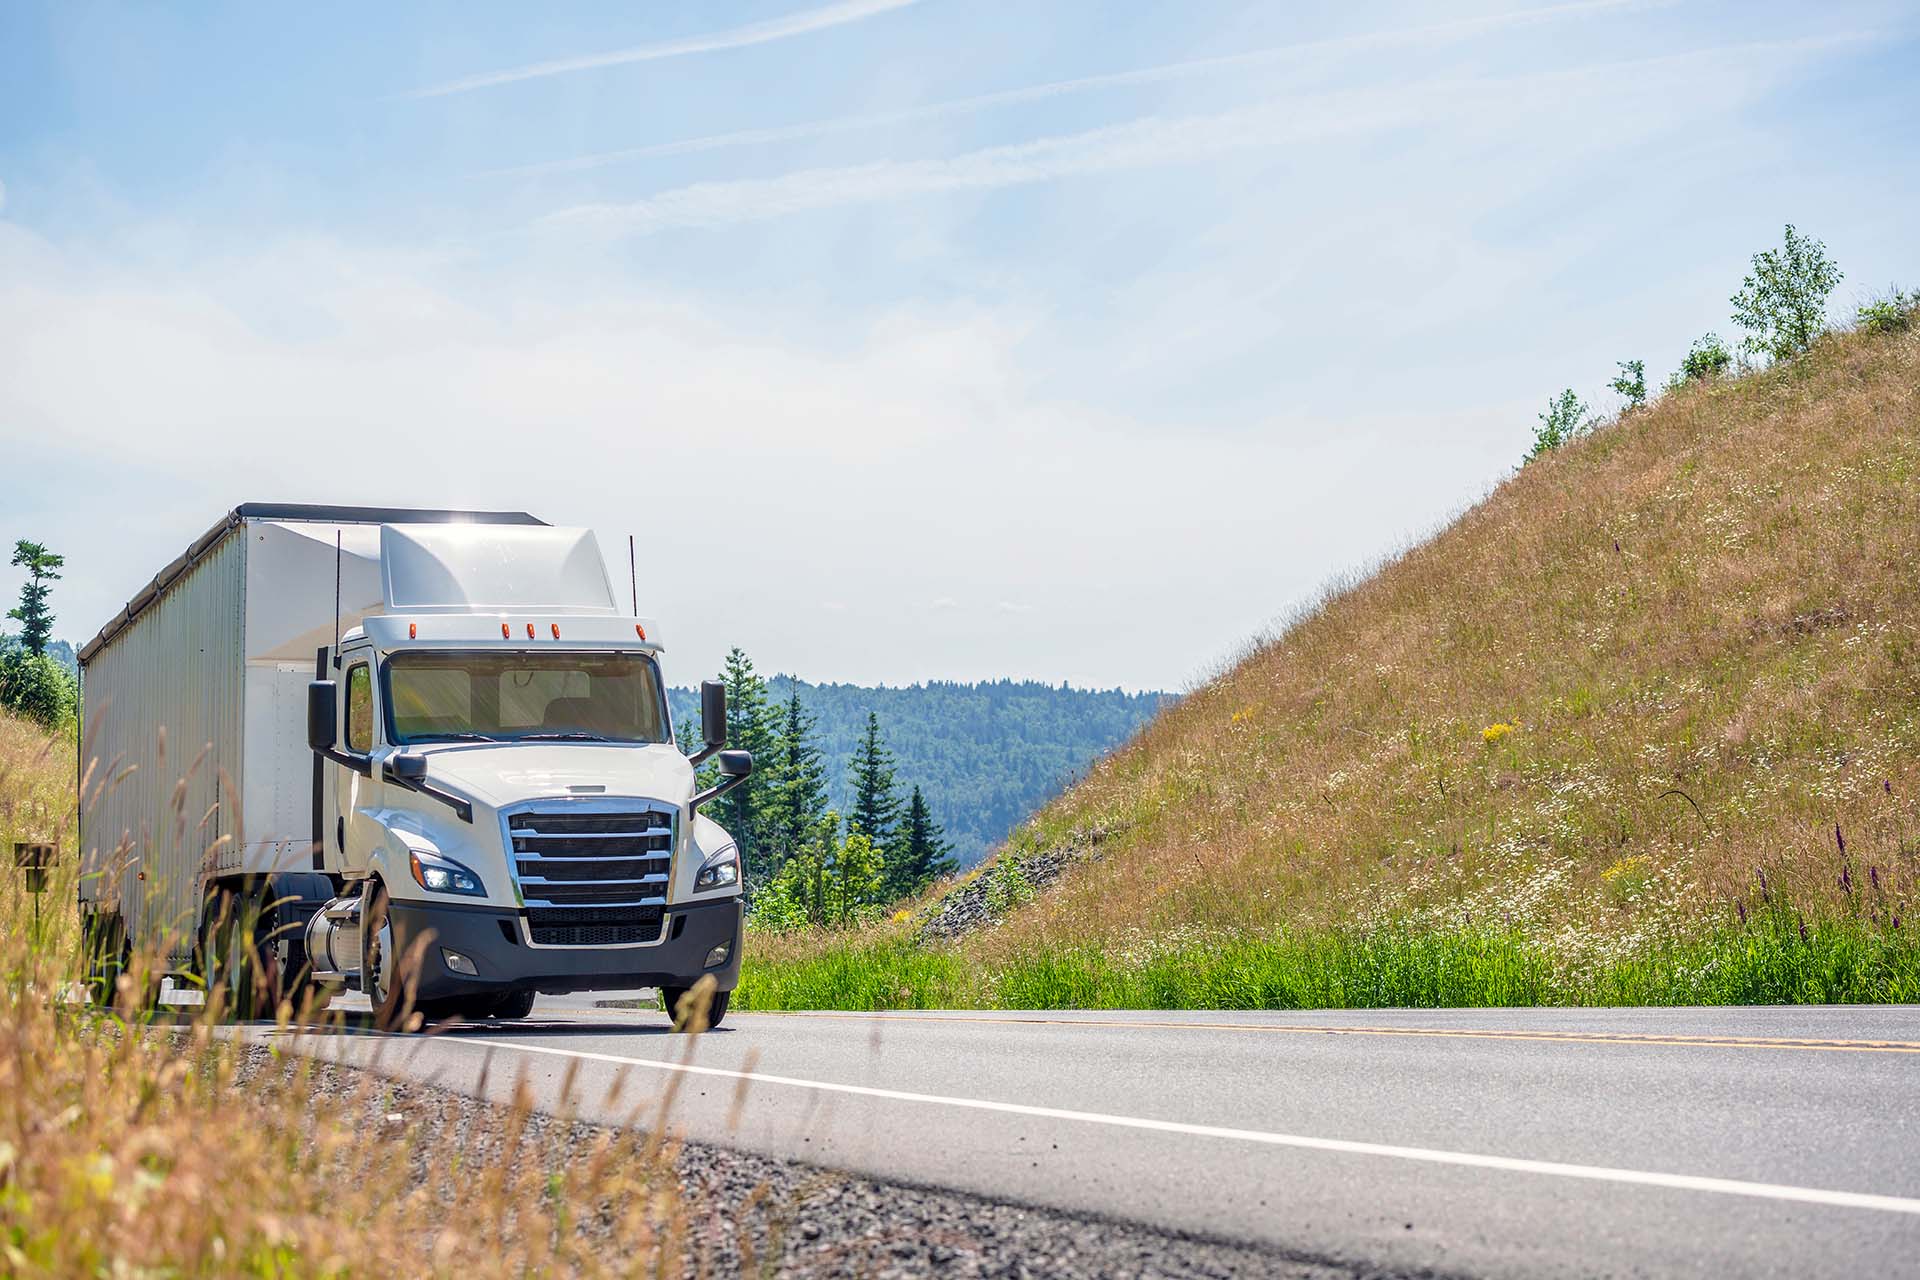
point(986, 755)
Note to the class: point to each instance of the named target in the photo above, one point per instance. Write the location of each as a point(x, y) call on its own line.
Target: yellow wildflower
point(1495, 732)
point(1638, 865)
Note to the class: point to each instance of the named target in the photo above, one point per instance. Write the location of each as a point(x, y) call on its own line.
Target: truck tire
point(716, 1007)
point(295, 897)
point(105, 945)
point(515, 1004)
point(379, 968)
point(236, 957)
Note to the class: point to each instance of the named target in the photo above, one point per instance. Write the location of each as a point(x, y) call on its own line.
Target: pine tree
point(876, 803)
point(798, 786)
point(922, 855)
point(36, 621)
point(751, 726)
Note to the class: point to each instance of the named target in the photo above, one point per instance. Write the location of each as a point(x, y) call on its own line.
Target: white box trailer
point(218, 772)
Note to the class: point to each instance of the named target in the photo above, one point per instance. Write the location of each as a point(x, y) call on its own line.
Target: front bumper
point(496, 943)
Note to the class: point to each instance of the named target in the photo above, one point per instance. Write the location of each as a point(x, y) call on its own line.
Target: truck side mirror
point(323, 715)
point(713, 720)
point(734, 768)
point(713, 714)
point(408, 767)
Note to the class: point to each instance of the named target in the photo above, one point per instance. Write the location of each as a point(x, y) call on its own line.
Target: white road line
point(1512, 1164)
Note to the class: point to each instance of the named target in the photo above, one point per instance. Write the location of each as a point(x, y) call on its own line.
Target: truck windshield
point(516, 697)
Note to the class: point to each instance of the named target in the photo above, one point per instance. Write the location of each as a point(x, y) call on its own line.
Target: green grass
point(862, 975)
point(1767, 960)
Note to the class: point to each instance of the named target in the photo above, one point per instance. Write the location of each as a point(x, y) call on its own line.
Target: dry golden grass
point(131, 1146)
point(1701, 629)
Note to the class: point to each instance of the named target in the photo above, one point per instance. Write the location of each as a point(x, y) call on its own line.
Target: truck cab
point(502, 806)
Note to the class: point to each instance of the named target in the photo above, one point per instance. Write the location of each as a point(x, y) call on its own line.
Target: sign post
point(34, 859)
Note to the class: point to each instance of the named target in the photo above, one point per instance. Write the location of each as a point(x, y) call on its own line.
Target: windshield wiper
point(575, 735)
point(456, 735)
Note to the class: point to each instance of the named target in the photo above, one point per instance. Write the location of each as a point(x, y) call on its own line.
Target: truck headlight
point(443, 875)
point(721, 871)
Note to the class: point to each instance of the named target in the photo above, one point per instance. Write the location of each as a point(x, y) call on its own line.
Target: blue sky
point(914, 340)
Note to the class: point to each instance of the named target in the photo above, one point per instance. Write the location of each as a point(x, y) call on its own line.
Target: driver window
point(360, 709)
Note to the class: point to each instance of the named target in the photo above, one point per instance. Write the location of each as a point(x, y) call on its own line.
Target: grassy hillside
point(987, 755)
point(1645, 723)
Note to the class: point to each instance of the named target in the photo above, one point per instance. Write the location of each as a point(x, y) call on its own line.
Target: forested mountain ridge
point(986, 755)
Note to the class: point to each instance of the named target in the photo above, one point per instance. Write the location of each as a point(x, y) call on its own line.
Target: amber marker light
point(640, 631)
point(556, 631)
point(506, 632)
point(413, 631)
point(529, 631)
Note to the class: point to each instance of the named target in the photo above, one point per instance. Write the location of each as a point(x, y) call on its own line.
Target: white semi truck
point(424, 754)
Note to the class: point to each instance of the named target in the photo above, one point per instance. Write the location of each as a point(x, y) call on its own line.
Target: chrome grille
point(590, 877)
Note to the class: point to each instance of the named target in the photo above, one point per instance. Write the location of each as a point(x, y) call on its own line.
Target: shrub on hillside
point(1708, 357)
point(1891, 314)
point(1783, 304)
point(1564, 419)
point(1631, 385)
point(36, 687)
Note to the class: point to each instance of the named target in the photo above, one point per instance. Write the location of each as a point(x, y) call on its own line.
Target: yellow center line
point(1444, 1033)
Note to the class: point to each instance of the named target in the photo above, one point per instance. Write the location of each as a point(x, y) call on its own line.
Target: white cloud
point(155, 396)
point(733, 38)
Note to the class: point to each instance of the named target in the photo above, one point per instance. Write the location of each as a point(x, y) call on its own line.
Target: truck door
point(353, 792)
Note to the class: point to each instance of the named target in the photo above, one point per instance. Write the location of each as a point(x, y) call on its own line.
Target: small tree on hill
point(1631, 385)
point(35, 619)
point(876, 802)
point(1783, 304)
point(920, 856)
point(1560, 423)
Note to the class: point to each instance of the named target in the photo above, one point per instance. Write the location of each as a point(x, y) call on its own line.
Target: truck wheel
point(379, 967)
point(232, 957)
point(716, 1007)
point(106, 955)
point(515, 1004)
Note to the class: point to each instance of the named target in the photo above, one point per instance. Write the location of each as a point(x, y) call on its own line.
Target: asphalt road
point(1499, 1142)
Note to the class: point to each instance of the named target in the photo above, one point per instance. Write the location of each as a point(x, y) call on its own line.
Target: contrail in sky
point(1153, 141)
point(797, 24)
point(1110, 80)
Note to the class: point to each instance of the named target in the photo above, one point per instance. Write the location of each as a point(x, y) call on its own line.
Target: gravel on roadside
point(753, 1215)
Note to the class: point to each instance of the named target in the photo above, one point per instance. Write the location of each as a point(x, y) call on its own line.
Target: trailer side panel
point(162, 745)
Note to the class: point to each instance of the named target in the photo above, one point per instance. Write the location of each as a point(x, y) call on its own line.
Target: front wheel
point(515, 1004)
point(683, 1010)
point(380, 975)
